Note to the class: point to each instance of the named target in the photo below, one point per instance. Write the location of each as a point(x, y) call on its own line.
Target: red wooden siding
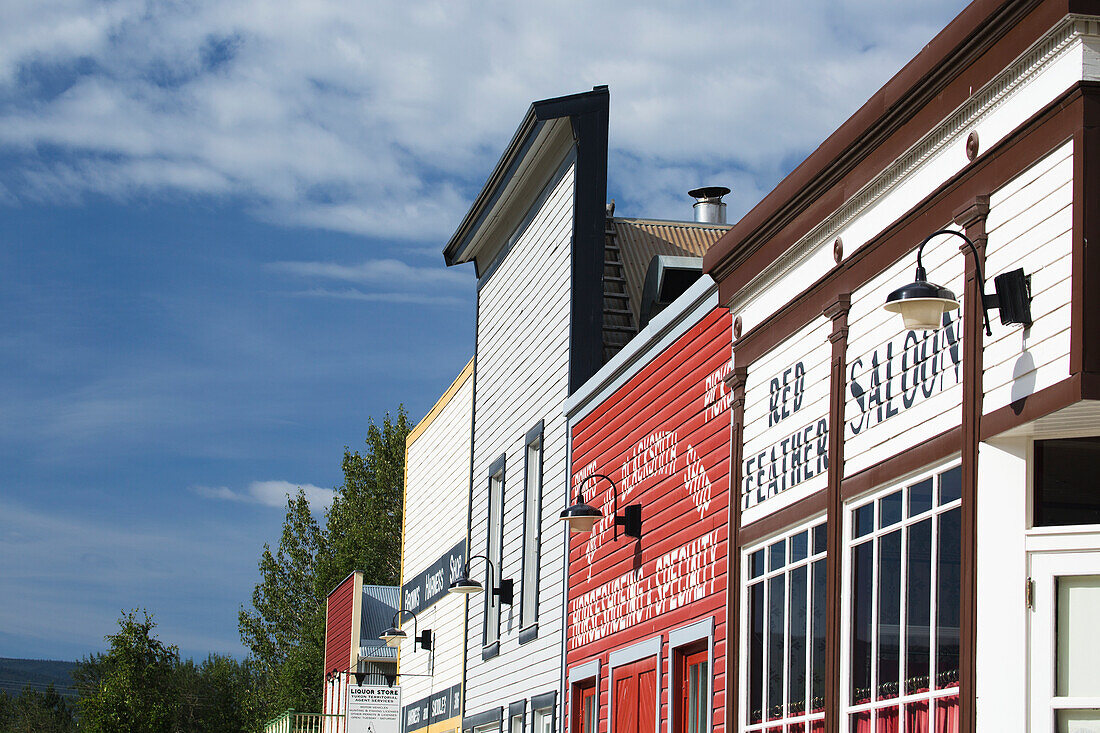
point(338, 626)
point(664, 438)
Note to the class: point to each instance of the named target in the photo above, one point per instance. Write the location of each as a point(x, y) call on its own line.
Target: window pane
point(496, 520)
point(918, 599)
point(697, 698)
point(1078, 644)
point(756, 653)
point(862, 588)
point(948, 585)
point(889, 613)
point(517, 724)
point(1065, 483)
point(889, 510)
point(819, 538)
point(776, 555)
point(756, 564)
point(776, 627)
point(951, 485)
point(532, 500)
point(817, 668)
point(799, 546)
point(796, 669)
point(1079, 721)
point(863, 520)
point(920, 497)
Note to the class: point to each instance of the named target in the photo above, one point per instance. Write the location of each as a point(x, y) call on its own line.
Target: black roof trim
point(538, 113)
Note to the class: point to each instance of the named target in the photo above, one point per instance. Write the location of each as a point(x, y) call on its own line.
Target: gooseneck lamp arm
point(923, 276)
point(631, 520)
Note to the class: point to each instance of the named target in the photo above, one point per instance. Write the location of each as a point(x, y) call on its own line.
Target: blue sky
point(220, 237)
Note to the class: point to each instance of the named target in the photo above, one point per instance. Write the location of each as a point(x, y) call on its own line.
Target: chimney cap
point(708, 192)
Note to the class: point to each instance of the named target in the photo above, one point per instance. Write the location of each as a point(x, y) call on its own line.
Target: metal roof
point(380, 603)
point(640, 240)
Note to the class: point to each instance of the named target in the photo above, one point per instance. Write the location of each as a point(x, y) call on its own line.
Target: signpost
point(374, 709)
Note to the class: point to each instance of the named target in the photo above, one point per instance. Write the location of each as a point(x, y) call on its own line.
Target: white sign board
point(373, 709)
point(786, 447)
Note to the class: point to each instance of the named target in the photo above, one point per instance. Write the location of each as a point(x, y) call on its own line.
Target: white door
point(1065, 642)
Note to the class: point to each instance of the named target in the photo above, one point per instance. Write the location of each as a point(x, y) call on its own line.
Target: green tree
point(285, 628)
point(131, 687)
point(363, 526)
point(36, 711)
point(215, 696)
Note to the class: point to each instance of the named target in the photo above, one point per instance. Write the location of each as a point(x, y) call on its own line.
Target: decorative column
point(736, 383)
point(837, 312)
point(971, 218)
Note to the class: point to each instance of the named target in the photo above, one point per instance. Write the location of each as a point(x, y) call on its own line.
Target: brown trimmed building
point(916, 544)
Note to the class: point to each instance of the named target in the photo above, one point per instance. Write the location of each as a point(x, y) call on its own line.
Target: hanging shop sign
point(373, 709)
point(431, 584)
point(786, 444)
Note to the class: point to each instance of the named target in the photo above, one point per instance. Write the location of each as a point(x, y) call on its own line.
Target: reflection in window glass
point(904, 625)
point(1065, 482)
point(1078, 644)
point(786, 637)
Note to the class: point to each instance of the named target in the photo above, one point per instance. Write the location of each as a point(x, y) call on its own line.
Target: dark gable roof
point(885, 126)
point(537, 114)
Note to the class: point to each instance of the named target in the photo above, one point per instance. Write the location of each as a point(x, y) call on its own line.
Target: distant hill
point(15, 674)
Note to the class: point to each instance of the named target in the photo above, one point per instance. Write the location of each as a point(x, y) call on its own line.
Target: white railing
point(292, 722)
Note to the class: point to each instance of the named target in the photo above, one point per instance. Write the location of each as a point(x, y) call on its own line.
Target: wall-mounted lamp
point(394, 636)
point(922, 304)
point(581, 517)
point(468, 585)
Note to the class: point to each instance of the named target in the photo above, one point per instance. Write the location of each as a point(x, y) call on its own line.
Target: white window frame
point(532, 532)
point(650, 648)
point(578, 676)
point(806, 717)
point(678, 639)
point(932, 695)
point(490, 637)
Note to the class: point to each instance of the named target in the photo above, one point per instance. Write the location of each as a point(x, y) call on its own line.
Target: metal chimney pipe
point(709, 207)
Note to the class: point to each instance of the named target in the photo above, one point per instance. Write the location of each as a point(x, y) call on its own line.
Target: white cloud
point(395, 298)
point(269, 493)
point(384, 118)
point(378, 272)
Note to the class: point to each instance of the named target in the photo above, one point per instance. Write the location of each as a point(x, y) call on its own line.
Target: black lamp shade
point(393, 636)
point(465, 585)
point(921, 304)
point(581, 517)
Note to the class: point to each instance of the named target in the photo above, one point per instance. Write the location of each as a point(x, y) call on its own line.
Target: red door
point(636, 697)
point(584, 709)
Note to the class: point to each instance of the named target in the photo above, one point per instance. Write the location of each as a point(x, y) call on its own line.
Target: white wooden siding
point(1030, 226)
point(1065, 56)
point(871, 331)
point(437, 490)
point(811, 347)
point(522, 376)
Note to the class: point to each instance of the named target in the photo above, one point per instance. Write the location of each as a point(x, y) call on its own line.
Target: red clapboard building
point(645, 617)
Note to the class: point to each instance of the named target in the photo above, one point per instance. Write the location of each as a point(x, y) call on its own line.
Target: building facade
point(433, 555)
point(645, 616)
point(916, 540)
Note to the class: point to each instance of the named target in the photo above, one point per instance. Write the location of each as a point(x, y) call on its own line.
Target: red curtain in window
point(947, 715)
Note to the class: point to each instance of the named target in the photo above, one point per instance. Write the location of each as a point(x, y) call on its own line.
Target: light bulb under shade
point(393, 636)
point(581, 517)
point(921, 305)
point(465, 585)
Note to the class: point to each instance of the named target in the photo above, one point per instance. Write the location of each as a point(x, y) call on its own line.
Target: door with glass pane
point(693, 697)
point(584, 709)
point(1065, 642)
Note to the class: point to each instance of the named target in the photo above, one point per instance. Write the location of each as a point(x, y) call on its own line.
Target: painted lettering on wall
point(696, 483)
point(716, 395)
point(673, 580)
point(903, 372)
point(786, 393)
point(654, 455)
point(787, 463)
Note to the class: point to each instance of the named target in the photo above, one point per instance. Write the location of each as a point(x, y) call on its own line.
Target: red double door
point(635, 706)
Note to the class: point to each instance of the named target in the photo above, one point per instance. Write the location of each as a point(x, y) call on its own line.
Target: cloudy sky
point(220, 235)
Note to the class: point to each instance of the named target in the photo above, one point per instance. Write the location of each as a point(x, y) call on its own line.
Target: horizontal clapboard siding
point(811, 348)
point(522, 376)
point(437, 487)
point(929, 369)
point(1030, 226)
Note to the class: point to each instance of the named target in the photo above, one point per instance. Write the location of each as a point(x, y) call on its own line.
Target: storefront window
point(903, 652)
point(785, 676)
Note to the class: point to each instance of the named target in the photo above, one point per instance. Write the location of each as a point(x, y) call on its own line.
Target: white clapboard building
point(560, 290)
